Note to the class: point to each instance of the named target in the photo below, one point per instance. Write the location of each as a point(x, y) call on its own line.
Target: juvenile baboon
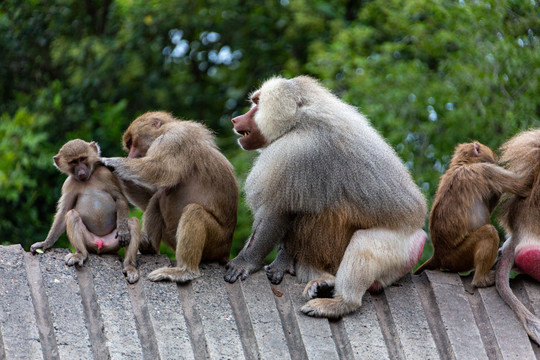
point(186, 187)
point(459, 223)
point(520, 217)
point(92, 209)
point(329, 189)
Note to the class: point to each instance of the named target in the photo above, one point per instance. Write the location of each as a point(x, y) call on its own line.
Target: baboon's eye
point(255, 98)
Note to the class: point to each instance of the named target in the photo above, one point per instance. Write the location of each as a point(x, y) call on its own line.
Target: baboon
point(92, 209)
point(330, 192)
point(520, 217)
point(459, 223)
point(186, 187)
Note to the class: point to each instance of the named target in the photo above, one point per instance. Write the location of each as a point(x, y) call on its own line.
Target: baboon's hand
point(131, 273)
point(239, 268)
point(123, 237)
point(39, 245)
point(145, 246)
point(75, 259)
point(275, 273)
point(283, 263)
point(109, 163)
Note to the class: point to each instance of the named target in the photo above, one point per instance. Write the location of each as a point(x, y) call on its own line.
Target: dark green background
point(428, 74)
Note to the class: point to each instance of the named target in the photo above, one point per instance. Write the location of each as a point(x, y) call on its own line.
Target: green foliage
point(20, 137)
point(242, 163)
point(432, 74)
point(428, 74)
point(24, 161)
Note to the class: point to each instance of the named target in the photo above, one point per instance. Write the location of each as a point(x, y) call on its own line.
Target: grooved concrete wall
point(52, 311)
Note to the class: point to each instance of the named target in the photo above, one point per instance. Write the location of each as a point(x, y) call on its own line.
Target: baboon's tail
point(431, 264)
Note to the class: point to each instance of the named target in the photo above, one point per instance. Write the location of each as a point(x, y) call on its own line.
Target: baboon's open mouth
point(244, 133)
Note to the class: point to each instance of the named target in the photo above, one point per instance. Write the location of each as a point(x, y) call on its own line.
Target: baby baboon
point(92, 209)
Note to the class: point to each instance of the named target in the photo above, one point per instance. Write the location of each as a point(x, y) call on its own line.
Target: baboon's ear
point(94, 145)
point(476, 149)
point(56, 160)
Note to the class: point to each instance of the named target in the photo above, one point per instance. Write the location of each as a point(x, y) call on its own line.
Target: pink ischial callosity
point(415, 252)
point(418, 248)
point(528, 261)
point(99, 244)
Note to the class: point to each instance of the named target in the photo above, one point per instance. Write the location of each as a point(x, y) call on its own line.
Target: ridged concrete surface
point(52, 311)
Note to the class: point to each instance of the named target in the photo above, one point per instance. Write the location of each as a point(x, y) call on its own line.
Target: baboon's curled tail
point(431, 264)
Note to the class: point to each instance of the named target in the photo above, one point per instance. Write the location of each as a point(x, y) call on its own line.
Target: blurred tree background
point(428, 74)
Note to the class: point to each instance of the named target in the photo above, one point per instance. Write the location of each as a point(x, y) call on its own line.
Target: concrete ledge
point(52, 311)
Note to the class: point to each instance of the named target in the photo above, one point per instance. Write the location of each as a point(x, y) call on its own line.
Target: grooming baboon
point(459, 223)
point(186, 187)
point(92, 209)
point(520, 217)
point(332, 191)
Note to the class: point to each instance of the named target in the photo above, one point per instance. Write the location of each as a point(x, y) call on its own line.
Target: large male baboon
point(332, 191)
